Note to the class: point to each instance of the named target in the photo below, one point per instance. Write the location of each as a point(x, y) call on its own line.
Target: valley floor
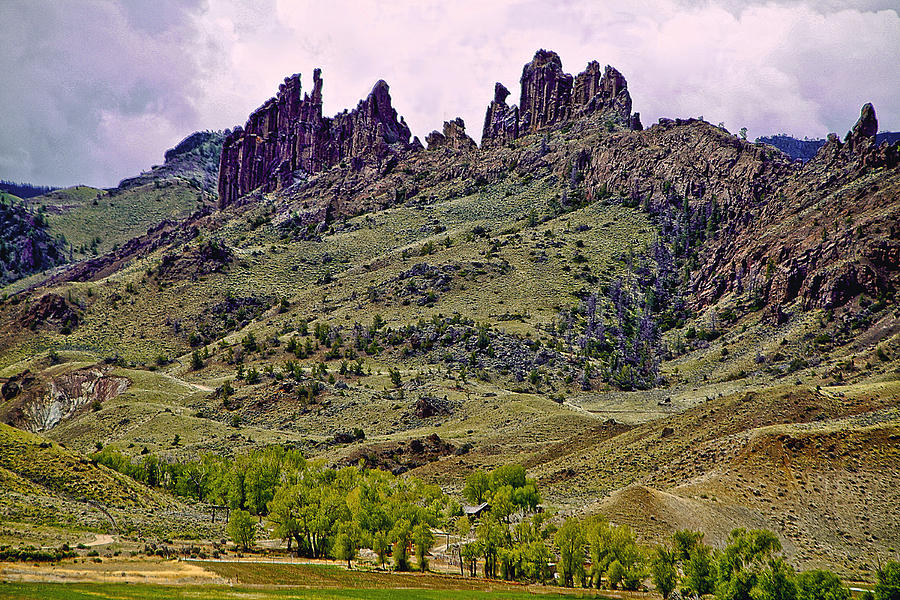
point(151, 579)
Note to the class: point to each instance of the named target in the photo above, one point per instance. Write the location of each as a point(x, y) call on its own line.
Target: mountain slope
point(670, 325)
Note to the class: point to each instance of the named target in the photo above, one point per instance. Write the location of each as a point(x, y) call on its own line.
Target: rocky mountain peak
point(551, 96)
point(287, 139)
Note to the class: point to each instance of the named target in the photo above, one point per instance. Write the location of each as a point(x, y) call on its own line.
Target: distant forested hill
point(24, 190)
point(805, 149)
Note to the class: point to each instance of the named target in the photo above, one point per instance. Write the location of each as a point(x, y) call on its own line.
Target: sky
point(96, 90)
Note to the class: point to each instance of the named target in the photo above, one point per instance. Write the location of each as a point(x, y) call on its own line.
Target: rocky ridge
point(828, 234)
point(720, 197)
point(806, 149)
point(26, 245)
point(287, 139)
point(195, 158)
point(453, 137)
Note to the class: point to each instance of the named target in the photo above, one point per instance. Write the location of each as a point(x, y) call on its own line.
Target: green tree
point(491, 537)
point(242, 529)
point(511, 475)
point(469, 554)
point(478, 487)
point(738, 586)
point(395, 378)
point(401, 535)
point(423, 539)
point(819, 584)
point(535, 558)
point(615, 574)
point(570, 542)
point(699, 572)
point(775, 582)
point(344, 548)
point(284, 515)
point(738, 564)
point(685, 542)
point(502, 505)
point(663, 571)
point(888, 586)
point(510, 563)
point(196, 361)
point(615, 545)
point(380, 547)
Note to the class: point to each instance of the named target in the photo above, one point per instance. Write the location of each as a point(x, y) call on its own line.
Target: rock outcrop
point(51, 310)
point(454, 137)
point(26, 243)
point(550, 96)
point(546, 92)
point(501, 123)
point(287, 139)
point(40, 406)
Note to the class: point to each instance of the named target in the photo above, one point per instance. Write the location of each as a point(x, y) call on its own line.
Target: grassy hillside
point(31, 461)
point(95, 221)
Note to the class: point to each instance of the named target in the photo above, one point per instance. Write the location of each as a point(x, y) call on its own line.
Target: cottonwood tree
point(242, 529)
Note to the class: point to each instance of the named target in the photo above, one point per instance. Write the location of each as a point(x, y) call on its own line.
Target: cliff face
point(287, 138)
point(550, 96)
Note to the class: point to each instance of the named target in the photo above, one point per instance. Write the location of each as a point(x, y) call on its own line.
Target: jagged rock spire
point(550, 96)
point(287, 137)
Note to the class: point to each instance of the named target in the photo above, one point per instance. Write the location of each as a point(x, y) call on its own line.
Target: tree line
point(25, 190)
point(326, 512)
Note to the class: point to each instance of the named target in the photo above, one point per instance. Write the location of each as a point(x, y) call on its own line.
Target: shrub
point(820, 585)
point(888, 587)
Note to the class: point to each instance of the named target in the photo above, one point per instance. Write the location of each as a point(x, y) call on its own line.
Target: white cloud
point(110, 86)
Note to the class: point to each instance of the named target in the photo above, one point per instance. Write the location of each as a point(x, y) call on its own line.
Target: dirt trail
point(102, 539)
point(196, 386)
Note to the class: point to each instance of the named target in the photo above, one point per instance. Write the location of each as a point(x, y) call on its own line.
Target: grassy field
point(121, 591)
point(299, 581)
